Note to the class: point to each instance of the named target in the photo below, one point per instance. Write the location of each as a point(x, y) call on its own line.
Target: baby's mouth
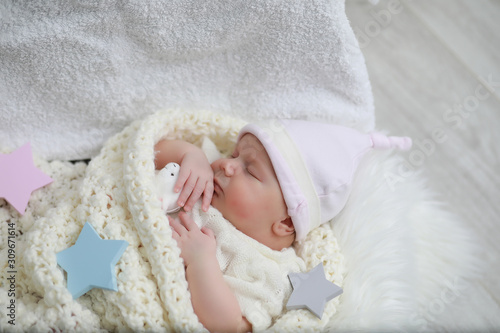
point(217, 188)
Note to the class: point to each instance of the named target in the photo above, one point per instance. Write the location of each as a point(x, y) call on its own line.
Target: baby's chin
point(218, 204)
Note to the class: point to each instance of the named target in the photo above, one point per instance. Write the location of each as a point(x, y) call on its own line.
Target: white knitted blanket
point(114, 193)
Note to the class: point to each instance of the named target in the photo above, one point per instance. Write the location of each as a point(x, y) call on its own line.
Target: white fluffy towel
point(74, 73)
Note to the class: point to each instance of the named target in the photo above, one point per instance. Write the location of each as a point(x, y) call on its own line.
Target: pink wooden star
point(19, 177)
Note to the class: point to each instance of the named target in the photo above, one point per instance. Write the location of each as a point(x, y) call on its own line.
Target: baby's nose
point(230, 167)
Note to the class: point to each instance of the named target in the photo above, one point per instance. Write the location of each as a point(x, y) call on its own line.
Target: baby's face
point(246, 190)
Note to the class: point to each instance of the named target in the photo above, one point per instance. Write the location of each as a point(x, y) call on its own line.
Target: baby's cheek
point(240, 207)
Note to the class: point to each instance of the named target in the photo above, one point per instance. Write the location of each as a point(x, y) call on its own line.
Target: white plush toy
point(165, 180)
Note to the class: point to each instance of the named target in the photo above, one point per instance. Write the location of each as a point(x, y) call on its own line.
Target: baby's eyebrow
point(245, 145)
point(234, 150)
point(237, 148)
point(236, 145)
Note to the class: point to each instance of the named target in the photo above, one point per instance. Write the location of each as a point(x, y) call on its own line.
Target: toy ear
point(284, 227)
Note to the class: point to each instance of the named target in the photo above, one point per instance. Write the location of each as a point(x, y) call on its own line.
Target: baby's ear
point(284, 228)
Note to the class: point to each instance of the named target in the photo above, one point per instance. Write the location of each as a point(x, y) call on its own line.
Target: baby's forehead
point(249, 141)
point(249, 145)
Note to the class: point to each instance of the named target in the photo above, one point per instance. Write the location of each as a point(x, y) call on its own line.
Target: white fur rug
point(409, 262)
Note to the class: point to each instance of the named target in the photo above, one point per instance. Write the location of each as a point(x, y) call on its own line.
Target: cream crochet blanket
point(115, 194)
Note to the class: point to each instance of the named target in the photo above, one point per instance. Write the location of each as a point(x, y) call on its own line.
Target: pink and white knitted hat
point(315, 164)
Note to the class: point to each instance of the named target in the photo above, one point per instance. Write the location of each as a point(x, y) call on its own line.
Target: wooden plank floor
point(435, 73)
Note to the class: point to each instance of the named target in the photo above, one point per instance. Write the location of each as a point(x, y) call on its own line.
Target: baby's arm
point(213, 300)
point(195, 176)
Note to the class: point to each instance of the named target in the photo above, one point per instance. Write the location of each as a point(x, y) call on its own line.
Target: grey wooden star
point(312, 290)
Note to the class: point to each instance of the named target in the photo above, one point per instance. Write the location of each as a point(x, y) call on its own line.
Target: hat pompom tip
point(381, 141)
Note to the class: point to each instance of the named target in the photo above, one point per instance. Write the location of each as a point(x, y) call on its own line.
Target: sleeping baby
point(284, 178)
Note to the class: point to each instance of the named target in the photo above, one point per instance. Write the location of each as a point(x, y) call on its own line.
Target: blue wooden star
point(90, 262)
point(312, 290)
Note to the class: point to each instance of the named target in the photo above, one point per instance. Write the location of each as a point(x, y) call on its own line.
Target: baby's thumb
point(207, 231)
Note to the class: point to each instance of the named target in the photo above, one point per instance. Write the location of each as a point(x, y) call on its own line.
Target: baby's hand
point(195, 243)
point(195, 178)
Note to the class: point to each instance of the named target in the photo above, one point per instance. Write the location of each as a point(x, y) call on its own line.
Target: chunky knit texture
point(115, 194)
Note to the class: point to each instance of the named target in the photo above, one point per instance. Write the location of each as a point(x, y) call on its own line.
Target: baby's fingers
point(177, 228)
point(195, 195)
point(188, 221)
point(207, 195)
point(187, 191)
point(181, 180)
point(207, 231)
